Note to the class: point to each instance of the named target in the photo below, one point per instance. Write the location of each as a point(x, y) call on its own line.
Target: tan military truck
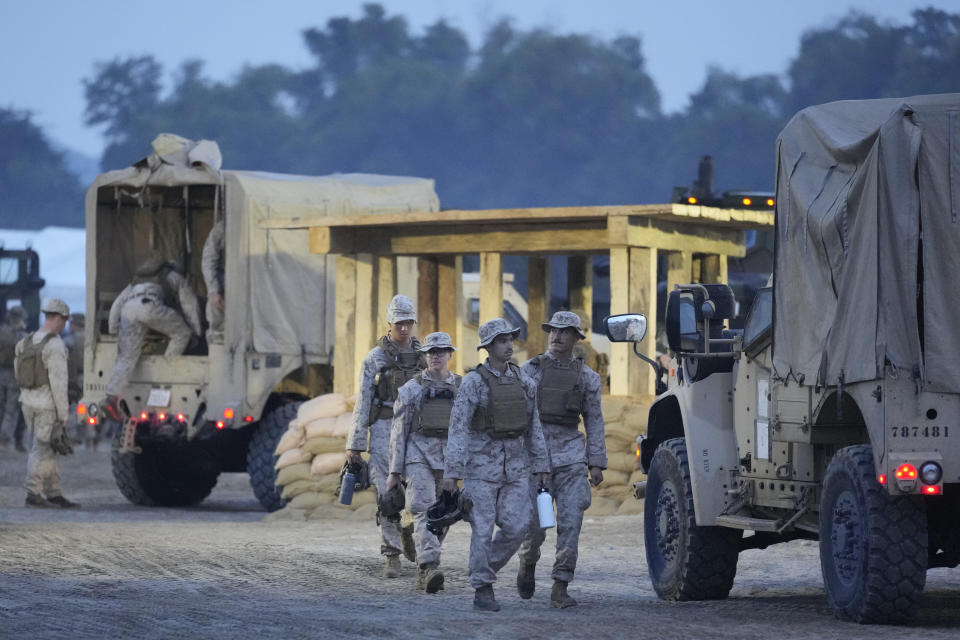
point(835, 413)
point(222, 405)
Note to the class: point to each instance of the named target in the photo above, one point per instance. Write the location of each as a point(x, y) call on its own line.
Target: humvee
point(835, 413)
point(224, 403)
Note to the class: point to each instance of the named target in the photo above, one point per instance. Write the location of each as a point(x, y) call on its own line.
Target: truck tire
point(174, 474)
point(260, 457)
point(873, 546)
point(685, 561)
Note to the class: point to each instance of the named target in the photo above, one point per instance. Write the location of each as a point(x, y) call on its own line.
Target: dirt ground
point(113, 570)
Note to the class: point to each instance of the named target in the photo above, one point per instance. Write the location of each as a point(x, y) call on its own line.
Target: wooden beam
point(643, 299)
point(366, 316)
point(580, 286)
point(426, 295)
point(407, 276)
point(696, 269)
point(538, 303)
point(619, 303)
point(714, 269)
point(386, 288)
point(679, 269)
point(491, 286)
point(446, 294)
point(344, 373)
point(462, 357)
point(671, 236)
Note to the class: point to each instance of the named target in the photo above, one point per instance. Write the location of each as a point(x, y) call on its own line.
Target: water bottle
point(347, 486)
point(545, 508)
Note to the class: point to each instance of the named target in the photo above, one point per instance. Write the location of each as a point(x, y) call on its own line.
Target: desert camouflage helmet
point(401, 308)
point(55, 305)
point(562, 320)
point(437, 340)
point(496, 327)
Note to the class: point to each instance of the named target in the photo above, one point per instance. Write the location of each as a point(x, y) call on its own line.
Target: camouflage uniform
point(143, 306)
point(11, 332)
point(211, 263)
point(496, 474)
point(419, 458)
point(42, 408)
point(569, 458)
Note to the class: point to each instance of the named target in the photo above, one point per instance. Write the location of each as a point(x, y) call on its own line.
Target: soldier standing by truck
point(389, 365)
point(495, 443)
point(41, 370)
point(11, 331)
point(567, 390)
point(211, 262)
point(421, 418)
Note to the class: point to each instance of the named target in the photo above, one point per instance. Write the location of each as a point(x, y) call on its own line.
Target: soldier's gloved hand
point(393, 480)
point(596, 476)
point(448, 484)
point(353, 456)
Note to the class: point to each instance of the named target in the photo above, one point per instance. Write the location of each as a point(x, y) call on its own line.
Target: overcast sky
point(48, 47)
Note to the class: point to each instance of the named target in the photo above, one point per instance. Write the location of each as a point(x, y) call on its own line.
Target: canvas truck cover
point(283, 292)
point(867, 267)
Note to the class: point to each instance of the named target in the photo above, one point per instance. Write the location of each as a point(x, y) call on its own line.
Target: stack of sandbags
point(625, 418)
point(310, 455)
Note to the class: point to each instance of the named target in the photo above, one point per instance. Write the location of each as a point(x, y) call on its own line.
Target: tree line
point(528, 118)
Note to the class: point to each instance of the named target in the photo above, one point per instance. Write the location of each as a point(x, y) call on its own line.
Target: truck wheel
point(686, 561)
point(873, 546)
point(260, 457)
point(166, 474)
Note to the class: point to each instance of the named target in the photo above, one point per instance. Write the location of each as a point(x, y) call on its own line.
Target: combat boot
point(432, 577)
point(391, 567)
point(559, 598)
point(483, 599)
point(407, 543)
point(36, 500)
point(63, 503)
point(421, 582)
point(526, 582)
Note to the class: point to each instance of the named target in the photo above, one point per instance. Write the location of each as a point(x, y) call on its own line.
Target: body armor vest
point(505, 415)
point(8, 346)
point(436, 405)
point(31, 371)
point(561, 391)
point(401, 367)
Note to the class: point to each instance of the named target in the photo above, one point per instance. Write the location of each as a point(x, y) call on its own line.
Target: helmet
point(391, 503)
point(448, 509)
point(361, 474)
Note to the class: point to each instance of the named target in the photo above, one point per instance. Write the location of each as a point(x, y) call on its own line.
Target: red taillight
point(882, 478)
point(906, 471)
point(143, 416)
point(248, 418)
point(220, 424)
point(81, 409)
point(91, 420)
point(932, 490)
point(162, 417)
point(228, 414)
point(181, 417)
point(691, 200)
point(769, 202)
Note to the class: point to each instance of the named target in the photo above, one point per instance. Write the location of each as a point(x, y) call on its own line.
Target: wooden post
point(407, 276)
point(346, 298)
point(426, 296)
point(461, 357)
point(643, 299)
point(366, 316)
point(491, 286)
point(446, 294)
point(386, 289)
point(714, 269)
point(696, 269)
point(580, 286)
point(619, 303)
point(538, 303)
point(679, 269)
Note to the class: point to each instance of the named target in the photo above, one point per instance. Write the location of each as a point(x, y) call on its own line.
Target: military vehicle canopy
point(868, 242)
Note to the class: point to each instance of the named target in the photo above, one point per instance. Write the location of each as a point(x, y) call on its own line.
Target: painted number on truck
point(920, 432)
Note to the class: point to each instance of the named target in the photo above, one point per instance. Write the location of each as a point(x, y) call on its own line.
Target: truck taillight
point(143, 416)
point(906, 471)
point(932, 490)
point(91, 421)
point(248, 418)
point(162, 417)
point(220, 424)
point(228, 414)
point(81, 409)
point(882, 478)
point(181, 417)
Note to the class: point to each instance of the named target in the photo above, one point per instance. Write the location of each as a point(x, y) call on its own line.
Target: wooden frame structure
point(369, 248)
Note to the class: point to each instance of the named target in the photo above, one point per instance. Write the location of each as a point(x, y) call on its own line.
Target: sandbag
point(291, 438)
point(327, 463)
point(602, 507)
point(325, 406)
point(343, 425)
point(294, 472)
point(294, 456)
point(297, 487)
point(321, 444)
point(320, 428)
point(618, 461)
point(615, 491)
point(612, 476)
point(630, 507)
point(310, 500)
point(352, 402)
point(363, 498)
point(637, 476)
point(328, 482)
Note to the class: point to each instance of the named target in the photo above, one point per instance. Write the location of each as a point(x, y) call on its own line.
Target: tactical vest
point(8, 346)
point(171, 297)
point(505, 415)
point(31, 370)
point(561, 391)
point(401, 367)
point(436, 405)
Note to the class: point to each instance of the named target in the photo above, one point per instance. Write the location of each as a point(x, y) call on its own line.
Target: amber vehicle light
point(747, 202)
point(81, 409)
point(228, 414)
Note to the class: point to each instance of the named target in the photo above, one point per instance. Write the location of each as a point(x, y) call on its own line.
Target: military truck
point(20, 280)
point(223, 404)
point(835, 413)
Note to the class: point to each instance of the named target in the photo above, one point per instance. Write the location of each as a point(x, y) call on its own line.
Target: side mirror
point(626, 327)
point(685, 311)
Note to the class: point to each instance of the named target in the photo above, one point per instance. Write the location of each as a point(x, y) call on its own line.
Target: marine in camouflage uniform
point(568, 389)
point(160, 299)
point(45, 405)
point(211, 263)
point(387, 367)
point(495, 443)
point(421, 417)
point(11, 331)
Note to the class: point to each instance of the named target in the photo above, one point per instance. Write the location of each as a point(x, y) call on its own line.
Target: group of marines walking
point(504, 431)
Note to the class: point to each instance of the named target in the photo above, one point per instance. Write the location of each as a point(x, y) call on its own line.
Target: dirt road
point(112, 570)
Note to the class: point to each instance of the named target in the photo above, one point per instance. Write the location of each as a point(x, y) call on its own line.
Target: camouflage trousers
point(571, 493)
point(136, 318)
point(423, 486)
point(9, 404)
point(43, 474)
point(390, 543)
point(506, 505)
